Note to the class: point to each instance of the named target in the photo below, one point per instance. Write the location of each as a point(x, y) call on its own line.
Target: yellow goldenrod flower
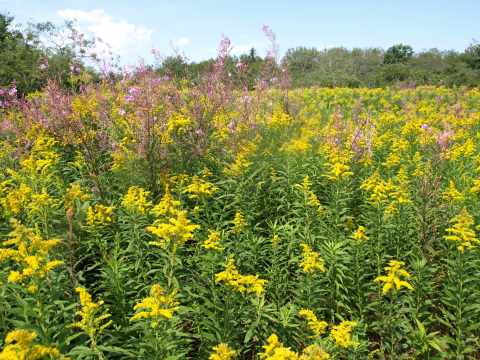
point(176, 233)
point(318, 327)
point(99, 216)
point(275, 240)
point(90, 322)
point(73, 192)
point(159, 306)
point(136, 200)
point(30, 253)
point(238, 223)
point(311, 260)
point(167, 206)
point(273, 344)
point(341, 334)
point(213, 241)
point(461, 231)
point(359, 235)
point(200, 188)
point(223, 352)
point(393, 277)
point(452, 194)
point(23, 349)
point(314, 352)
point(240, 283)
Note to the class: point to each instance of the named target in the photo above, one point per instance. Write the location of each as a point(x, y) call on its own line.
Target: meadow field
point(154, 218)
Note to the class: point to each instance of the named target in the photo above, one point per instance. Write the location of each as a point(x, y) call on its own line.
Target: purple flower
point(12, 92)
point(122, 112)
point(239, 64)
point(199, 131)
point(229, 73)
point(133, 90)
point(128, 98)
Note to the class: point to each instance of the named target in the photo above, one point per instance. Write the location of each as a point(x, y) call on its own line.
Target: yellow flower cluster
point(240, 283)
point(379, 189)
point(275, 351)
point(100, 215)
point(238, 223)
point(73, 192)
point(14, 200)
point(21, 348)
point(175, 233)
point(338, 166)
point(452, 194)
point(393, 277)
point(318, 327)
point(212, 241)
point(90, 322)
point(223, 352)
point(359, 235)
point(167, 206)
point(461, 231)
point(136, 200)
point(310, 260)
point(275, 240)
point(30, 253)
point(158, 305)
point(341, 334)
point(42, 203)
point(200, 188)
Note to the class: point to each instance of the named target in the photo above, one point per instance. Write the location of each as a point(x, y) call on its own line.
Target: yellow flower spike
point(200, 188)
point(341, 334)
point(223, 352)
point(91, 315)
point(213, 241)
point(314, 352)
point(461, 232)
point(275, 240)
point(99, 215)
point(159, 306)
point(239, 283)
point(452, 194)
point(20, 347)
point(71, 193)
point(311, 260)
point(238, 223)
point(273, 344)
point(167, 206)
point(359, 235)
point(318, 327)
point(136, 200)
point(393, 277)
point(175, 233)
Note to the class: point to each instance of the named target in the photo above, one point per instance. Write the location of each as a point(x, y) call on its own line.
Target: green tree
point(398, 54)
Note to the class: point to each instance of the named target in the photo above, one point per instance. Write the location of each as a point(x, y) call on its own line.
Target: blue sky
point(134, 27)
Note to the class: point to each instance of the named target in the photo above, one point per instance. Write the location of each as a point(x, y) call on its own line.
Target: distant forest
point(21, 49)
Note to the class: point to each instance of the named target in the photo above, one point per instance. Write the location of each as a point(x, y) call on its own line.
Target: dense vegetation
point(149, 217)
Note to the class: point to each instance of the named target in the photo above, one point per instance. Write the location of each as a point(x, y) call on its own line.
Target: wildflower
point(318, 327)
point(160, 307)
point(73, 192)
point(175, 233)
point(275, 240)
point(100, 215)
point(90, 322)
point(136, 200)
point(42, 204)
point(273, 344)
point(314, 352)
point(200, 187)
point(314, 202)
point(167, 206)
point(340, 334)
point(461, 231)
point(240, 283)
point(393, 277)
point(311, 260)
point(213, 241)
point(238, 223)
point(21, 348)
point(452, 194)
point(223, 352)
point(359, 235)
point(30, 253)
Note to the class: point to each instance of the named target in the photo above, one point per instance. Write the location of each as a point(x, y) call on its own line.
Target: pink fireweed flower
point(122, 112)
point(239, 64)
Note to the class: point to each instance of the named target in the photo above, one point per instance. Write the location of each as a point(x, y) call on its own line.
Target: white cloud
point(183, 41)
point(121, 36)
